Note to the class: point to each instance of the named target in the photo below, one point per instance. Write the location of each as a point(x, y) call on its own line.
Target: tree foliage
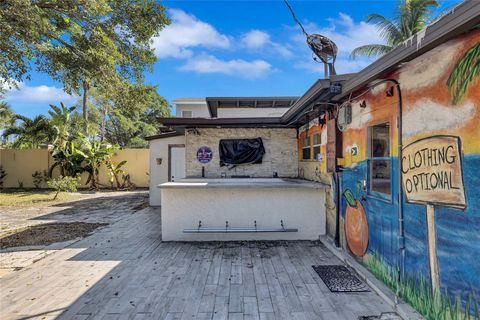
point(81, 43)
point(411, 17)
point(30, 132)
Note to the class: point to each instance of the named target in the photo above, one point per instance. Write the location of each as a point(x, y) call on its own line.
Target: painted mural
point(440, 173)
point(437, 244)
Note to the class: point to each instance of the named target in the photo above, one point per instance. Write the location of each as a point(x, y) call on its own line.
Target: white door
point(177, 163)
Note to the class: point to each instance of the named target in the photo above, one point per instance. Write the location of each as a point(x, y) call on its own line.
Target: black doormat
point(338, 278)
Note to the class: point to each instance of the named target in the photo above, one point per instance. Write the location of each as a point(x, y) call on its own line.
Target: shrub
point(39, 178)
point(63, 184)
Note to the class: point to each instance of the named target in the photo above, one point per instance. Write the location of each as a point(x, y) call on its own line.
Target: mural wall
point(440, 170)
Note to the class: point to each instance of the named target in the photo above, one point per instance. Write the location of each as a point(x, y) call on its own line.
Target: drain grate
point(339, 279)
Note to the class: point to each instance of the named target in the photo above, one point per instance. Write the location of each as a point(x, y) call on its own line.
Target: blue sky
point(237, 48)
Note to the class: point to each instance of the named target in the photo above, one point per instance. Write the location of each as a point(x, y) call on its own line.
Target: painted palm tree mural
point(465, 71)
point(412, 16)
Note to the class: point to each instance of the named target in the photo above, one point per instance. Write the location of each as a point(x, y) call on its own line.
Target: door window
point(379, 162)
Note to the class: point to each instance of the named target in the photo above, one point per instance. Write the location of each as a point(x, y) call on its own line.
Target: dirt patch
point(48, 233)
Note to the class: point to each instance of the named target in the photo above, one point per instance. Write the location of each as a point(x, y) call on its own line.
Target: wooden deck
point(124, 271)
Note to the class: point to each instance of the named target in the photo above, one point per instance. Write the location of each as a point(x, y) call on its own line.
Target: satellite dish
point(322, 47)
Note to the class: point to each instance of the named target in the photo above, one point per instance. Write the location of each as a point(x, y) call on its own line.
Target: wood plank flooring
point(124, 271)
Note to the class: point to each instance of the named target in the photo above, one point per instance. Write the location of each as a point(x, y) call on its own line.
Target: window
point(186, 114)
point(317, 141)
point(379, 158)
point(306, 148)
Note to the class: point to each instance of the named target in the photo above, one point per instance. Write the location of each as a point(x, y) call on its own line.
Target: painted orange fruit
point(356, 229)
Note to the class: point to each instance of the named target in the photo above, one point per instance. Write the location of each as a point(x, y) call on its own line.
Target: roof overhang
point(214, 103)
point(319, 91)
point(165, 135)
point(264, 122)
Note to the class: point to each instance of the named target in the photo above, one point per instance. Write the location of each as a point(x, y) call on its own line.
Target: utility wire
point(295, 18)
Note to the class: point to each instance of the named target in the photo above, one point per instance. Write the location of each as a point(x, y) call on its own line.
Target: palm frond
point(464, 72)
point(371, 50)
point(388, 30)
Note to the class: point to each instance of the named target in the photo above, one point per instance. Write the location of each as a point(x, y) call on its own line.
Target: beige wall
point(21, 164)
point(280, 152)
point(312, 170)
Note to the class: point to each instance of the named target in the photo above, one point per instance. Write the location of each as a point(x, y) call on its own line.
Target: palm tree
point(412, 16)
point(30, 133)
point(60, 119)
point(6, 114)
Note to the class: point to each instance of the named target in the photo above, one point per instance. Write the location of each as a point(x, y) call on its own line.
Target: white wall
point(301, 208)
point(198, 110)
point(250, 112)
point(159, 173)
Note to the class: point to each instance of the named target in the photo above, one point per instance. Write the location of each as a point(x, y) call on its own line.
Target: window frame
point(309, 147)
point(319, 134)
point(388, 197)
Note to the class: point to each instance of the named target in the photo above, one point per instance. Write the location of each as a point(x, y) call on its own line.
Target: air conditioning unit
point(344, 117)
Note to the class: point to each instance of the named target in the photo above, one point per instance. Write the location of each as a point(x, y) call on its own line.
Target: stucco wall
point(21, 164)
point(280, 152)
point(159, 173)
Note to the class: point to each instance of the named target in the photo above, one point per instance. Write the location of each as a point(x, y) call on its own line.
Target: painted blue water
point(458, 231)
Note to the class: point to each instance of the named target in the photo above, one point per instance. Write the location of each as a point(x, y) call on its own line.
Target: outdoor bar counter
point(242, 209)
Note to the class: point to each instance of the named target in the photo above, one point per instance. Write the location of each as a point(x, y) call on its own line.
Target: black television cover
point(241, 151)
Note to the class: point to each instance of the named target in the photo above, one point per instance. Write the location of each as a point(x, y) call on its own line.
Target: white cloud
point(184, 33)
point(38, 94)
point(260, 40)
point(347, 35)
point(255, 39)
point(237, 67)
point(428, 116)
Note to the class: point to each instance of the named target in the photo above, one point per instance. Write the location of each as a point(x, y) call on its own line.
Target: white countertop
point(276, 183)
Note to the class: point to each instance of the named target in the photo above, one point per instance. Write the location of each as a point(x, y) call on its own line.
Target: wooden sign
point(432, 172)
point(432, 175)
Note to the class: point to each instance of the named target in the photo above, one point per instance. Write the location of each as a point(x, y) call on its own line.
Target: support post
point(432, 248)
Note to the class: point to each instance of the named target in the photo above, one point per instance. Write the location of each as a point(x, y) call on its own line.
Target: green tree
point(60, 119)
point(411, 17)
point(81, 43)
point(30, 133)
point(130, 114)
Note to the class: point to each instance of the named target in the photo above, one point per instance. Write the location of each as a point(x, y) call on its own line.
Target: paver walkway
point(124, 271)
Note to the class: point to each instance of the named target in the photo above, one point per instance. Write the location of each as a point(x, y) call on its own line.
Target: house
point(392, 152)
point(167, 149)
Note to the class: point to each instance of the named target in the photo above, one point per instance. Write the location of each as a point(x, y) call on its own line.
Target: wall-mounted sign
point(320, 157)
point(432, 172)
point(204, 154)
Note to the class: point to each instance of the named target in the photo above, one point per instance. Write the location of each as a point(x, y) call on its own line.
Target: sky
point(237, 48)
